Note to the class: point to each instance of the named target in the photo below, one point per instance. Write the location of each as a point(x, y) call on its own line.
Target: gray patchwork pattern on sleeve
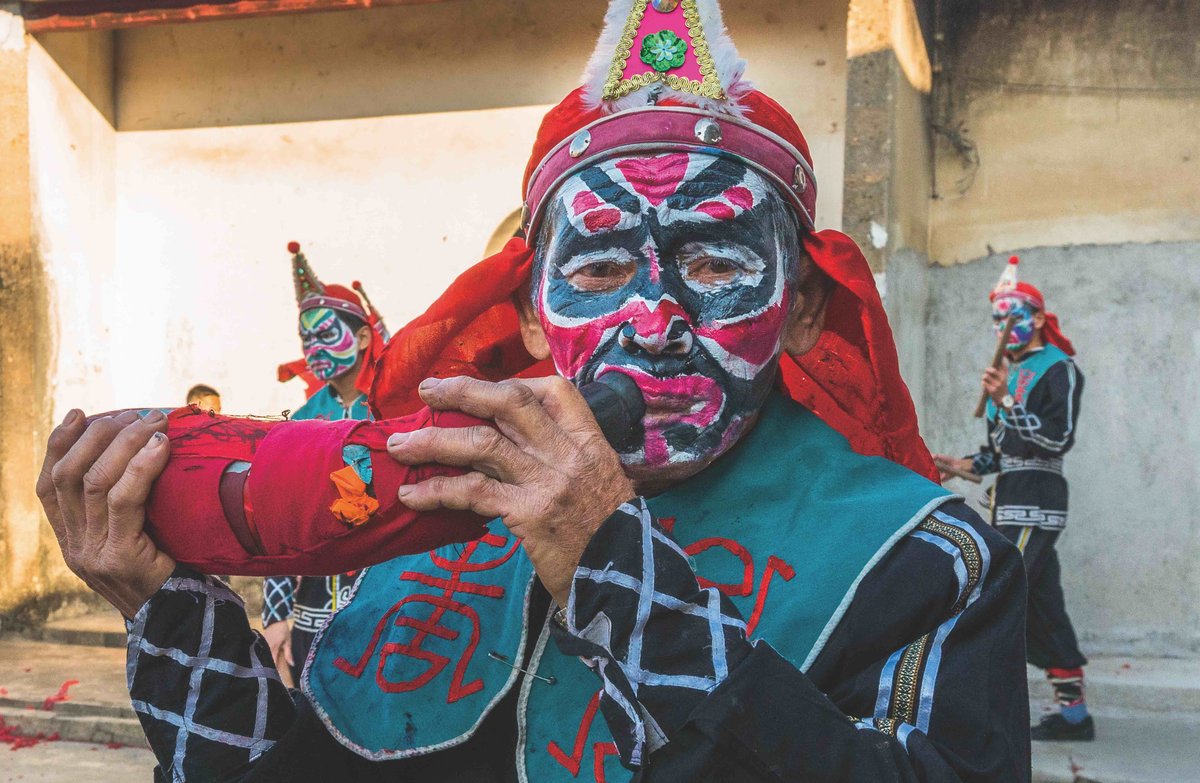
point(202, 682)
point(640, 620)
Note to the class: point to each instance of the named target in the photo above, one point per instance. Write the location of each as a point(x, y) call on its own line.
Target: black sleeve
point(202, 683)
point(1043, 425)
point(307, 752)
point(984, 461)
point(923, 680)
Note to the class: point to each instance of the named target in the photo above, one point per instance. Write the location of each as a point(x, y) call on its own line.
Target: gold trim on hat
point(710, 87)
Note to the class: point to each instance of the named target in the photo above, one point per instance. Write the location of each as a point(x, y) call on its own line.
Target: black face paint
point(678, 271)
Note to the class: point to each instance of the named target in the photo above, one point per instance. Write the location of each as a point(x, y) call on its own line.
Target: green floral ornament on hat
point(663, 51)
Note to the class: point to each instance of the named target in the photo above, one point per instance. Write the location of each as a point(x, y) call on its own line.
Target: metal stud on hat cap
point(661, 129)
point(580, 143)
point(708, 131)
point(799, 179)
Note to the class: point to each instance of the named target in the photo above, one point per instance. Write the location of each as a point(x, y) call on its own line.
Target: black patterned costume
point(1026, 447)
point(916, 683)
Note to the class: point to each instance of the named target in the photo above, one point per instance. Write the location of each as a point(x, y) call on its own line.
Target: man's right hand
point(279, 638)
point(94, 485)
point(961, 463)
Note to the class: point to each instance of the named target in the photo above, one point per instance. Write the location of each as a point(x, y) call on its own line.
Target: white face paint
point(676, 270)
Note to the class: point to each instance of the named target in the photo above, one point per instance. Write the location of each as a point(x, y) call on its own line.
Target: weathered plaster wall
point(888, 160)
point(1082, 117)
point(1131, 553)
point(73, 170)
point(30, 568)
point(20, 291)
point(1082, 114)
point(906, 299)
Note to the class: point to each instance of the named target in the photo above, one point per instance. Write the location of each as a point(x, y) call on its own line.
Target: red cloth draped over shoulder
point(851, 379)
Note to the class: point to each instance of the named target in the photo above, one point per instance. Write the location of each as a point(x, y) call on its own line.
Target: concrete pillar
point(30, 564)
point(888, 159)
point(888, 167)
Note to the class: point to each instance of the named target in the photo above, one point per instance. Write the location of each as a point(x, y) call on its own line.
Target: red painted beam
point(44, 16)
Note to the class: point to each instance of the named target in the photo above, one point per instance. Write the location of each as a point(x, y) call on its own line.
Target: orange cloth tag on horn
point(355, 506)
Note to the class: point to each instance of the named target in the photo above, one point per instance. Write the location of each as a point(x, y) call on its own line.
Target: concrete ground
point(75, 762)
point(1127, 749)
point(1147, 713)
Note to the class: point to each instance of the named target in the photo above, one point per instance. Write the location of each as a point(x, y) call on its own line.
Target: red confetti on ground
point(28, 669)
point(114, 745)
point(1126, 666)
point(1075, 768)
point(3, 691)
point(12, 736)
point(50, 701)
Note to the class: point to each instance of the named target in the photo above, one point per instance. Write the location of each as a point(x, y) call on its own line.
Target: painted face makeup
point(679, 271)
point(330, 349)
point(1023, 330)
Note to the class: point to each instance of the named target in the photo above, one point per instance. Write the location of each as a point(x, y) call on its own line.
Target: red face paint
point(676, 270)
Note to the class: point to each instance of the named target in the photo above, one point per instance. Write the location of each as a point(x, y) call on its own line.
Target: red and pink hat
point(665, 77)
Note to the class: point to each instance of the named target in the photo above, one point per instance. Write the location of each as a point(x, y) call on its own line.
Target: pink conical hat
point(1008, 278)
point(677, 47)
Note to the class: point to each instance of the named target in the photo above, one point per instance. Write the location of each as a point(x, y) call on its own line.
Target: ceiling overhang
point(67, 15)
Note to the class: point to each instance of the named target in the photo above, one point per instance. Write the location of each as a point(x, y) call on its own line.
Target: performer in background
point(342, 335)
point(759, 582)
point(1033, 407)
point(204, 397)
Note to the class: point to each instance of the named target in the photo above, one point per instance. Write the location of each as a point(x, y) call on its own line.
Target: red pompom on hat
point(851, 379)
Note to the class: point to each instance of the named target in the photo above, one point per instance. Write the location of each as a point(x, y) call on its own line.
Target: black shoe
point(1056, 728)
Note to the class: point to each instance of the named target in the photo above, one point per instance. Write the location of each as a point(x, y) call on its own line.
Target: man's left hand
point(545, 469)
point(995, 382)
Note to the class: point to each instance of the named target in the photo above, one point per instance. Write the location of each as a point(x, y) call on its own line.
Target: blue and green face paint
point(678, 271)
point(330, 348)
point(1024, 330)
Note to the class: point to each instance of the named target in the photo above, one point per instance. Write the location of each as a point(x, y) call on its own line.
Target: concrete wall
point(24, 350)
point(56, 236)
point(1131, 553)
point(1082, 114)
point(1082, 117)
point(73, 167)
point(203, 216)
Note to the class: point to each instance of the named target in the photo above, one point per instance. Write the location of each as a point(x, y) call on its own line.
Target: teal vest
point(326, 405)
point(1024, 375)
point(786, 525)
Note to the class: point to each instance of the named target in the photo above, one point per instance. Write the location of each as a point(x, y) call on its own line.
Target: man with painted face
point(1032, 411)
point(756, 583)
point(340, 335)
